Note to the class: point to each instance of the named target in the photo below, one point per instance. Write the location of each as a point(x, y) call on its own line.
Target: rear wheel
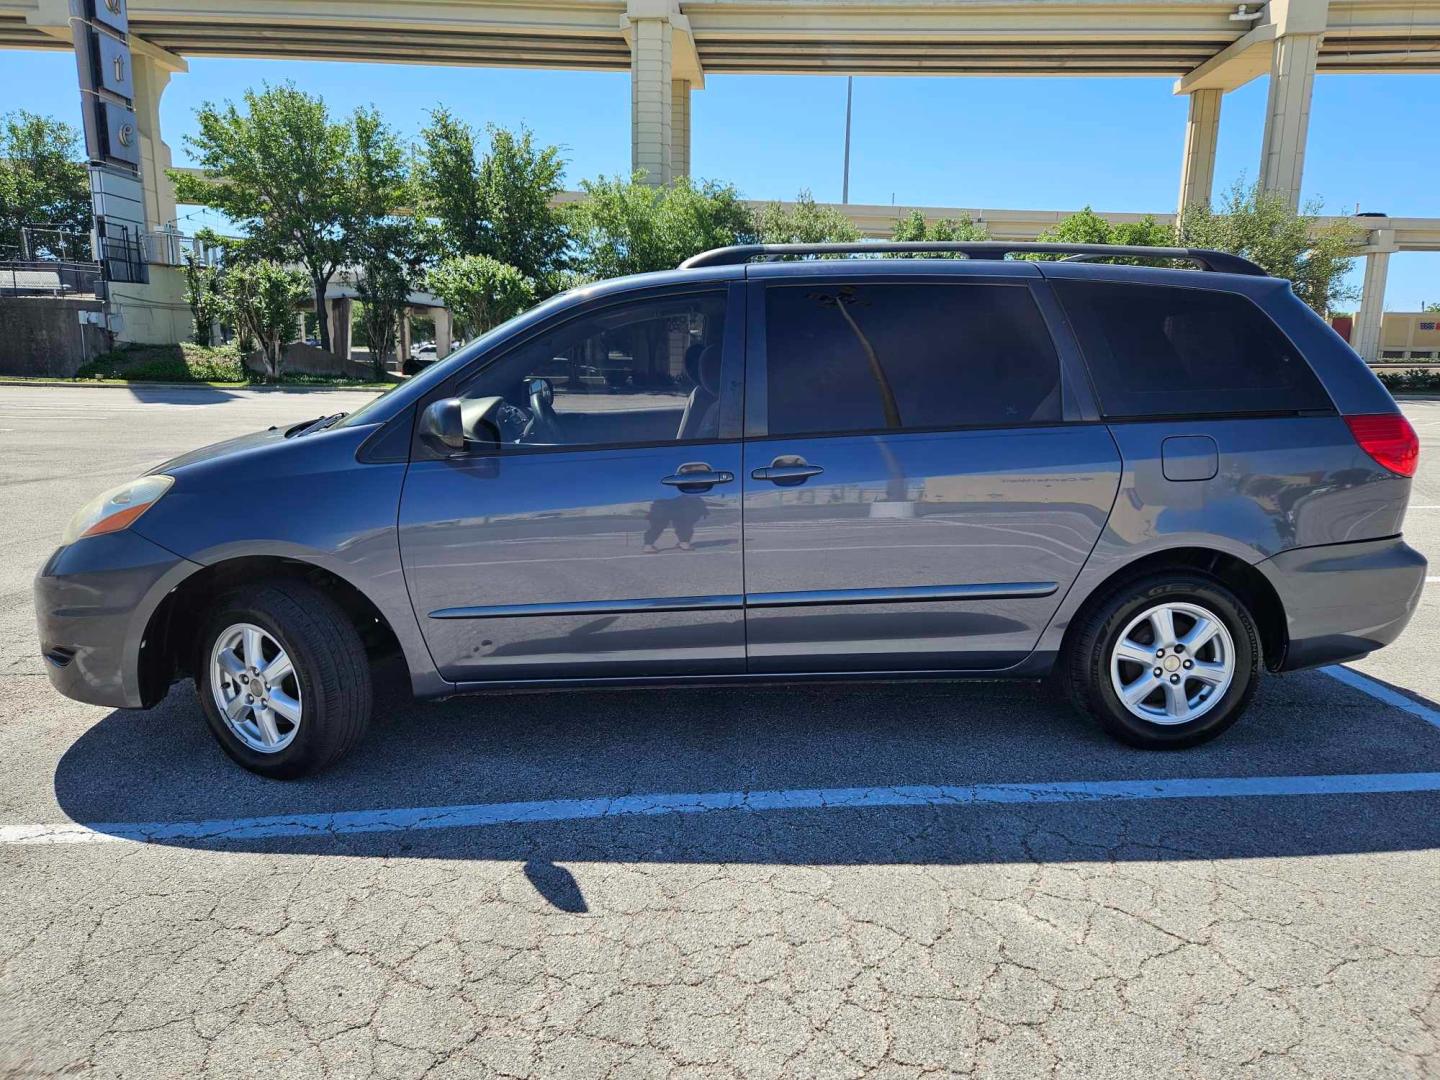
point(1166, 662)
point(283, 679)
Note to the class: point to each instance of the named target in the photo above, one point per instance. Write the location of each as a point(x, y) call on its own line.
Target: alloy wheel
point(256, 688)
point(1172, 663)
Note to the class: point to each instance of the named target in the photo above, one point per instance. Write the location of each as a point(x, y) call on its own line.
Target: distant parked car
point(421, 356)
point(1150, 483)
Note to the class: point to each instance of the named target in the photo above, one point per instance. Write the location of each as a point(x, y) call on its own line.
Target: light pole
point(849, 97)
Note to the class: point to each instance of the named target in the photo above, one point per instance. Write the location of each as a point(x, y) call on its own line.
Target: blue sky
point(1017, 143)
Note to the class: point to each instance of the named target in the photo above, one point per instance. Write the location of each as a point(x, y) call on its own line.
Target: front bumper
point(93, 602)
point(1344, 600)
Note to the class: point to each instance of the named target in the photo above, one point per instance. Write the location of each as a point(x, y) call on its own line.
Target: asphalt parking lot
point(912, 881)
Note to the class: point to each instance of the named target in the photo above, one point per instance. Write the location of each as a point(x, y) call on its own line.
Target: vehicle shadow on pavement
point(173, 395)
point(162, 766)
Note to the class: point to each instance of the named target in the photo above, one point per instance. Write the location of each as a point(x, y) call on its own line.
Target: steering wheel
point(544, 426)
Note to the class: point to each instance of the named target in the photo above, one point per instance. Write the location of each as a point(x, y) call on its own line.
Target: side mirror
point(451, 426)
point(442, 426)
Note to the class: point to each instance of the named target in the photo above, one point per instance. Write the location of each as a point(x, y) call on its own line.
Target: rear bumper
point(1344, 600)
point(93, 602)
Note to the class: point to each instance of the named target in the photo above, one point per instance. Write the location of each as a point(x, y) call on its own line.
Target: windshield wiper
point(318, 424)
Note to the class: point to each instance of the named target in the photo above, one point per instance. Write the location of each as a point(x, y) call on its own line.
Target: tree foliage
point(205, 288)
point(500, 205)
point(1087, 227)
point(629, 227)
point(1263, 227)
point(42, 182)
point(279, 170)
point(914, 227)
point(482, 292)
point(262, 297)
point(803, 222)
point(386, 248)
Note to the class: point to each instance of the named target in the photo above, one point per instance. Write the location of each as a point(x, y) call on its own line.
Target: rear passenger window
point(1166, 351)
point(847, 358)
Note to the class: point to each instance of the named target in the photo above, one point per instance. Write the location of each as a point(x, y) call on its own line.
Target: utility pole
point(849, 97)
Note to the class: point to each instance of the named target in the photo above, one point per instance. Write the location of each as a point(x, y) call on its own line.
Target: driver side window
point(642, 372)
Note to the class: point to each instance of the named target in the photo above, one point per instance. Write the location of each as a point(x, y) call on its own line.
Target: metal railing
point(48, 277)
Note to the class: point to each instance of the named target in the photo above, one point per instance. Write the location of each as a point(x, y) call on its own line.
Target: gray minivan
point(1148, 481)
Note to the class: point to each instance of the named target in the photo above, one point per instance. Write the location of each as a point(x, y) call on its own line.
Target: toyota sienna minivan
point(1148, 482)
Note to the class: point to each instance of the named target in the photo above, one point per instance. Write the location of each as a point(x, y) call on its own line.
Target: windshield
point(389, 402)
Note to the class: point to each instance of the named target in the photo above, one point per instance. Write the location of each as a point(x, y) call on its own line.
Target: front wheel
point(1166, 662)
point(283, 679)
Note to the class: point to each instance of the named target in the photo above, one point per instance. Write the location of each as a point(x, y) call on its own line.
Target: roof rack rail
point(1215, 261)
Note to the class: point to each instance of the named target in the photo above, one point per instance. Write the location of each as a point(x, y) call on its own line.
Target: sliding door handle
point(695, 477)
point(787, 471)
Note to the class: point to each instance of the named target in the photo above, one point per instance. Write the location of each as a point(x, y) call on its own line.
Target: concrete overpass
point(668, 46)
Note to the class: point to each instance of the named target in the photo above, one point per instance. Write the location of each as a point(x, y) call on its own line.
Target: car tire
point(1199, 691)
point(292, 724)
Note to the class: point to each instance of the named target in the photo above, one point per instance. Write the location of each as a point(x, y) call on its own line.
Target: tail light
point(1389, 439)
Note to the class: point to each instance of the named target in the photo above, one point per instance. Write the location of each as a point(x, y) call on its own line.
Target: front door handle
point(787, 470)
point(695, 476)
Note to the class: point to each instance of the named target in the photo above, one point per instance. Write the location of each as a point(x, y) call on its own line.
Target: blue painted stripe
point(478, 815)
point(1380, 692)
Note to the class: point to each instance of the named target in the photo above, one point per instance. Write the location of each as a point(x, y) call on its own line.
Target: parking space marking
point(479, 815)
point(1381, 692)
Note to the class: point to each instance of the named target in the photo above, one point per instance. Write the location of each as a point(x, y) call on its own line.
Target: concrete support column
point(1287, 114)
point(444, 331)
point(1202, 131)
point(151, 73)
point(679, 128)
point(155, 312)
point(651, 104)
point(1372, 298)
point(404, 343)
point(339, 312)
point(300, 326)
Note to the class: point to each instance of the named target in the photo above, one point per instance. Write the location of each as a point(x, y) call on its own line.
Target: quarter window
point(887, 357)
point(1156, 350)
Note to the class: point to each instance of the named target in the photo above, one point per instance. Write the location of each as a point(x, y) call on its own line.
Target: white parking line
point(1381, 692)
point(478, 815)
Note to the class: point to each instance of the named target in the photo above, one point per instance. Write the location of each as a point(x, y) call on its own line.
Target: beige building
point(1410, 336)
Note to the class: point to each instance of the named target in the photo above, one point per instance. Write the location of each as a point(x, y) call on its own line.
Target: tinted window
point(647, 371)
point(1158, 351)
point(887, 357)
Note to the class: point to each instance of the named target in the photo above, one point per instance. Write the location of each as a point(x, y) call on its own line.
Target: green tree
point(1287, 243)
point(204, 287)
point(42, 182)
point(629, 227)
point(386, 246)
point(1430, 308)
point(1087, 227)
point(501, 205)
point(803, 222)
point(914, 227)
point(262, 297)
point(481, 291)
point(279, 170)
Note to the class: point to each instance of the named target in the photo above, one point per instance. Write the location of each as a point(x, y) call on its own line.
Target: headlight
point(116, 509)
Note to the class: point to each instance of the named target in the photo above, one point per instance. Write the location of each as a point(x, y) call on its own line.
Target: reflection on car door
point(603, 540)
point(914, 497)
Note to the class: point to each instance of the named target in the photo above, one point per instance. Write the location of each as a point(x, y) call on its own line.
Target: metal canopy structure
point(1209, 47)
point(891, 37)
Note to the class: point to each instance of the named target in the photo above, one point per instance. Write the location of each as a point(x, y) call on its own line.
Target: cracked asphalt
point(1261, 936)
